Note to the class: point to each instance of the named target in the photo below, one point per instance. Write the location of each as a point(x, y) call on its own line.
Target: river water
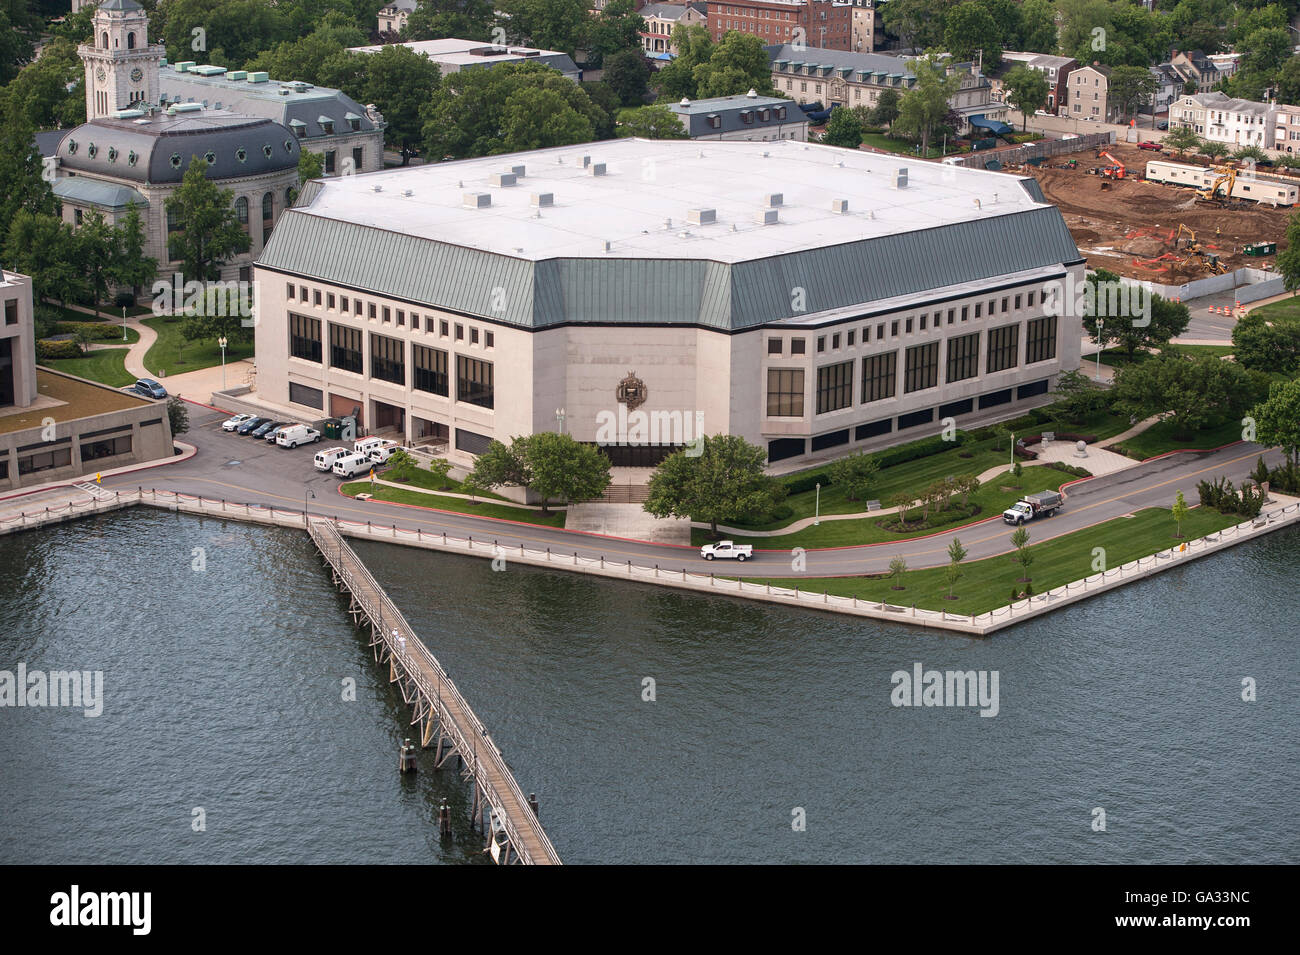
point(767, 734)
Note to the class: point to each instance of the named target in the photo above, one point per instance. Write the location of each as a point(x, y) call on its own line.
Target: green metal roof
point(106, 195)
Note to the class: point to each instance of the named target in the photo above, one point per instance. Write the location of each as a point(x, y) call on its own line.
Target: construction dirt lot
point(1130, 227)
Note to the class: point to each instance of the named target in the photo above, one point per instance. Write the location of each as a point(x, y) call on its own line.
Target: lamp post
point(222, 342)
point(817, 510)
point(123, 323)
point(1100, 326)
point(560, 416)
point(306, 494)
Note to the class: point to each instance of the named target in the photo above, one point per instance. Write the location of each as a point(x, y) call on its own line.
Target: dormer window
point(326, 125)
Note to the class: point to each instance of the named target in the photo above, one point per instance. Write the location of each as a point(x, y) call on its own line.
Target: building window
point(268, 207)
point(1040, 339)
point(388, 315)
point(922, 368)
point(474, 381)
point(401, 318)
point(288, 291)
point(105, 448)
point(834, 387)
point(371, 312)
point(978, 307)
point(489, 340)
point(1004, 348)
point(796, 346)
point(304, 337)
point(473, 335)
point(45, 461)
point(306, 396)
point(963, 357)
point(241, 212)
point(387, 359)
point(329, 301)
point(821, 343)
point(345, 348)
point(329, 162)
point(315, 297)
point(460, 332)
point(430, 370)
point(785, 392)
point(880, 332)
point(358, 154)
point(774, 346)
point(879, 376)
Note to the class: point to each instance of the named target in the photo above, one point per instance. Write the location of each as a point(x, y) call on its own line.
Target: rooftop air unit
point(597, 169)
point(503, 179)
point(543, 199)
point(774, 199)
point(702, 216)
point(476, 200)
point(767, 216)
point(900, 178)
point(840, 206)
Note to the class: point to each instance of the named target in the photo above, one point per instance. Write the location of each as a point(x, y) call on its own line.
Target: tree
point(50, 92)
point(83, 337)
point(1213, 149)
point(97, 253)
point(304, 58)
point(44, 248)
point(926, 105)
point(539, 118)
point(220, 312)
point(1167, 320)
point(844, 129)
point(628, 75)
point(1020, 540)
point(1130, 87)
point(969, 31)
point(233, 31)
point(724, 482)
point(562, 468)
point(886, 108)
point(651, 122)
point(1265, 50)
point(548, 24)
point(736, 65)
point(21, 183)
point(1078, 398)
point(401, 465)
point(615, 29)
point(178, 416)
point(1288, 82)
point(438, 19)
point(902, 502)
point(440, 468)
point(956, 554)
point(1026, 90)
point(1277, 418)
point(1180, 512)
point(917, 23)
point(1272, 346)
point(209, 234)
point(1037, 27)
point(1194, 393)
point(310, 165)
point(132, 268)
point(854, 473)
point(677, 79)
point(399, 82)
point(897, 568)
point(501, 465)
point(1288, 260)
point(1182, 139)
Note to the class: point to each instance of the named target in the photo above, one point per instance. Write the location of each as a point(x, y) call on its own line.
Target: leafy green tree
point(440, 468)
point(1213, 149)
point(1027, 90)
point(886, 109)
point(310, 165)
point(737, 64)
point(401, 465)
point(1180, 511)
point(844, 129)
point(1194, 393)
point(956, 554)
point(1130, 87)
point(15, 47)
point(538, 118)
point(854, 473)
point(178, 416)
point(1024, 557)
point(1167, 320)
point(97, 253)
point(1271, 346)
point(233, 31)
point(917, 23)
point(628, 75)
point(615, 29)
point(902, 503)
point(564, 469)
point(724, 482)
point(438, 19)
point(209, 234)
point(399, 81)
point(1288, 82)
point(1288, 260)
point(1078, 398)
point(1277, 418)
point(970, 31)
point(1265, 50)
point(897, 568)
point(651, 122)
point(44, 247)
point(1182, 139)
point(926, 105)
point(548, 24)
point(131, 267)
point(21, 184)
point(304, 58)
point(677, 79)
point(1037, 27)
point(220, 312)
point(501, 465)
point(50, 92)
point(77, 27)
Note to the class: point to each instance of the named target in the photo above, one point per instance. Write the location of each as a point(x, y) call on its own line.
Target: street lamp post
point(306, 494)
point(817, 511)
point(222, 342)
point(123, 323)
point(559, 416)
point(1100, 326)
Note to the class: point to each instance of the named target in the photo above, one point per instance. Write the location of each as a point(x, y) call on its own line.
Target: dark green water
point(223, 691)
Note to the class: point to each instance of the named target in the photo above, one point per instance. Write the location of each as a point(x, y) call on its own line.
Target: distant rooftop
point(79, 399)
point(715, 104)
point(470, 53)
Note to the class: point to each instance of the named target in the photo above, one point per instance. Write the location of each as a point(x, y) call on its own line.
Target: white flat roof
point(650, 181)
point(452, 50)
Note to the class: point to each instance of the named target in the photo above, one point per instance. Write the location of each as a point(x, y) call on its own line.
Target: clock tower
point(121, 66)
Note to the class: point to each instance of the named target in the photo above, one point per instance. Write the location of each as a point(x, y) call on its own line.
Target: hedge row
point(47, 350)
point(99, 331)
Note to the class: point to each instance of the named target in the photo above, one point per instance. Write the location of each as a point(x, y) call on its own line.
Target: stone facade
point(17, 342)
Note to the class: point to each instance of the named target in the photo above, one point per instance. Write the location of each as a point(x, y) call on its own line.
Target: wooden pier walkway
point(443, 713)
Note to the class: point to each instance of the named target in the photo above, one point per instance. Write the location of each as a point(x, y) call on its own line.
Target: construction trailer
point(1249, 189)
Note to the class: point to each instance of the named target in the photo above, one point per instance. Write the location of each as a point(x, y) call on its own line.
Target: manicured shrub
point(50, 350)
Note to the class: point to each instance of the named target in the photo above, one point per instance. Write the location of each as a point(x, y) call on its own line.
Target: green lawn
point(107, 313)
point(992, 500)
point(421, 499)
point(163, 356)
point(425, 479)
point(1118, 359)
point(1159, 438)
point(106, 365)
point(901, 146)
point(987, 584)
point(1287, 309)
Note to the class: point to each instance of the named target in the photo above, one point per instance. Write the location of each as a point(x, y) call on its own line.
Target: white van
point(296, 434)
point(383, 452)
point(350, 465)
point(366, 445)
point(325, 459)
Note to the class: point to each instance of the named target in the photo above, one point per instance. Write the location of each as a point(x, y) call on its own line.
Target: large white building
point(808, 298)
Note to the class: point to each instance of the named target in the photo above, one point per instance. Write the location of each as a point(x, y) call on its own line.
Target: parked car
point(1150, 145)
point(1163, 124)
point(266, 425)
point(1042, 504)
point(149, 388)
point(350, 465)
point(248, 426)
point(324, 460)
point(296, 434)
point(230, 424)
point(274, 433)
point(726, 550)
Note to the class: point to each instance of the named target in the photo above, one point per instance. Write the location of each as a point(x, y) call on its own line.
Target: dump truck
point(1042, 504)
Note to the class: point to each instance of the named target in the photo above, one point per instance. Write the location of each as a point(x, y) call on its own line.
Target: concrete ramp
point(625, 520)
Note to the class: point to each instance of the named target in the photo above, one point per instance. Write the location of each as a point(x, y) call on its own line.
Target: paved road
point(249, 471)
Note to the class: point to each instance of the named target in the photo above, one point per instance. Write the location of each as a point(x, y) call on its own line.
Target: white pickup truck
point(1030, 506)
point(726, 550)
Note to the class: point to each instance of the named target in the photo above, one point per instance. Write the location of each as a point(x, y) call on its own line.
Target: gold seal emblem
point(632, 391)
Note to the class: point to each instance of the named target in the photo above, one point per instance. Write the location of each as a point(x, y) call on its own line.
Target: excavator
point(1226, 177)
point(1117, 170)
point(1197, 255)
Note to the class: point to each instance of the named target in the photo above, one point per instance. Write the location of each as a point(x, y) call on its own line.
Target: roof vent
point(407, 192)
point(900, 178)
point(518, 171)
point(840, 206)
point(668, 223)
point(237, 75)
point(685, 101)
point(702, 216)
point(377, 187)
point(607, 245)
point(503, 179)
point(774, 199)
point(543, 199)
point(586, 161)
point(476, 200)
point(597, 169)
point(185, 66)
point(259, 77)
point(767, 216)
point(752, 94)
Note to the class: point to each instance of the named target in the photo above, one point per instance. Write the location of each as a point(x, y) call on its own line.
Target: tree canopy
point(724, 482)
